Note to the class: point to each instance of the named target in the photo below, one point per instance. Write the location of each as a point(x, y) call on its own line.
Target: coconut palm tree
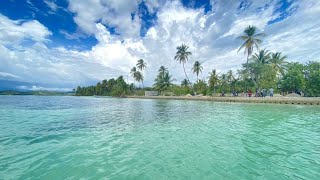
point(139, 77)
point(230, 76)
point(251, 40)
point(141, 65)
point(278, 62)
point(182, 56)
point(185, 83)
point(163, 80)
point(261, 57)
point(197, 68)
point(213, 80)
point(133, 74)
point(162, 70)
point(167, 81)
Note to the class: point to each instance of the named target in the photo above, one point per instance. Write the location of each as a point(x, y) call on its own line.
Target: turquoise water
point(110, 138)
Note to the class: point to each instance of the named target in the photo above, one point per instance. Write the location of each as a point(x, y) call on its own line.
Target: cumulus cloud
point(210, 35)
point(14, 31)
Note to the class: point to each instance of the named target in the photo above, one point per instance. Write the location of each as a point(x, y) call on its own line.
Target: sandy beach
point(276, 100)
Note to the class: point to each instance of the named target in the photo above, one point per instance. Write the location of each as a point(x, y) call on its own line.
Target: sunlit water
point(110, 138)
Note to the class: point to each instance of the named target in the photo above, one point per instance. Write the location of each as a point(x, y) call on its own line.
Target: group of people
point(259, 93)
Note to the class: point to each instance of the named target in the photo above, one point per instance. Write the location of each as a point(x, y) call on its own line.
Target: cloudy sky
point(60, 44)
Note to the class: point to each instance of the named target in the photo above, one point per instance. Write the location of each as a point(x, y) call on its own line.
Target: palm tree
point(213, 80)
point(278, 62)
point(197, 68)
point(182, 56)
point(185, 83)
point(251, 40)
point(163, 80)
point(162, 70)
point(139, 77)
point(258, 64)
point(262, 57)
point(223, 80)
point(141, 65)
point(133, 74)
point(231, 79)
point(230, 76)
point(167, 81)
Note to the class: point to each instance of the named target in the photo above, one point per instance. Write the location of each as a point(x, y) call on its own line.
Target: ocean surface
point(110, 138)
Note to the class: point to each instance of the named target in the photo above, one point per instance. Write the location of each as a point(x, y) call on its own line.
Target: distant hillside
point(38, 93)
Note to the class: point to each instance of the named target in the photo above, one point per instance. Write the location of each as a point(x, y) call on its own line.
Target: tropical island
point(263, 71)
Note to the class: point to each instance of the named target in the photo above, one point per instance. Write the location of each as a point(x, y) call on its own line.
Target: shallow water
point(109, 138)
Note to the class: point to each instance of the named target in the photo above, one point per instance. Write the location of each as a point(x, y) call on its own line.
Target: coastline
point(273, 100)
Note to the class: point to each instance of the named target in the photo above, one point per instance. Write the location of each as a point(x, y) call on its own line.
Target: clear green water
point(109, 138)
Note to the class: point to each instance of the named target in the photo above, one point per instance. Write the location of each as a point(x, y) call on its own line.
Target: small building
point(151, 93)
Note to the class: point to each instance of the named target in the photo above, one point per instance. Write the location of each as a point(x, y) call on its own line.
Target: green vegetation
point(112, 87)
point(262, 70)
point(164, 80)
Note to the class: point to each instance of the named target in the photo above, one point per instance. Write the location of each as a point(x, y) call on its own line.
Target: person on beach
point(271, 91)
point(257, 93)
point(264, 92)
point(249, 93)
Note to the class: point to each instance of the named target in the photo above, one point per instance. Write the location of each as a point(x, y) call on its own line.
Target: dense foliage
point(112, 87)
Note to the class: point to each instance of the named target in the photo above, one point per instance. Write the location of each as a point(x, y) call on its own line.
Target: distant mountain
point(38, 93)
point(11, 85)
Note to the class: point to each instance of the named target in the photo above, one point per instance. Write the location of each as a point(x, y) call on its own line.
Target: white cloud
point(4, 75)
point(16, 31)
point(53, 6)
point(114, 13)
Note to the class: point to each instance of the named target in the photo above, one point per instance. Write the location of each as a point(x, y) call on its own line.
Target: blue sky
point(60, 44)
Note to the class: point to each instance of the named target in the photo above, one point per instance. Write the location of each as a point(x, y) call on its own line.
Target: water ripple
point(99, 138)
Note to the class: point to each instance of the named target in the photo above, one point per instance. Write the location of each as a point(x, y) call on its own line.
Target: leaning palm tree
point(213, 80)
point(251, 40)
point(133, 74)
point(182, 56)
point(278, 62)
point(197, 68)
point(141, 65)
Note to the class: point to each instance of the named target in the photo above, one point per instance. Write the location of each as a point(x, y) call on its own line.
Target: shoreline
point(272, 100)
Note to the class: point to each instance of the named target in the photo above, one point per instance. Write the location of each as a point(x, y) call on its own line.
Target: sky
point(61, 44)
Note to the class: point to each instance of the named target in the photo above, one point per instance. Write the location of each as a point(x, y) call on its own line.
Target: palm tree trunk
point(185, 73)
point(188, 78)
point(254, 82)
point(142, 77)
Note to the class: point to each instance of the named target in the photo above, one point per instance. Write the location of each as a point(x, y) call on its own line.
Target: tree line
point(262, 70)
